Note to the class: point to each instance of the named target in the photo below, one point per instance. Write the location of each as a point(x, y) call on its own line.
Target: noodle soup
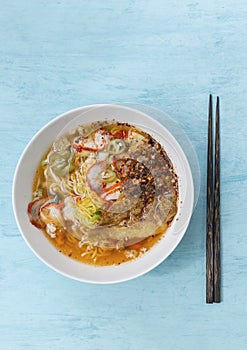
point(104, 193)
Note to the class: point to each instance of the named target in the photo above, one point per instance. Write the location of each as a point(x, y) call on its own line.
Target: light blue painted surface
point(58, 55)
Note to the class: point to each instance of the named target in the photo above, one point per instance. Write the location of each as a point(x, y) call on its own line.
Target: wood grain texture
point(58, 55)
point(210, 210)
point(217, 246)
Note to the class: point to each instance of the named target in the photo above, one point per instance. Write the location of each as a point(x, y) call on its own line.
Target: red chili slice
point(78, 148)
point(120, 134)
point(90, 149)
point(114, 187)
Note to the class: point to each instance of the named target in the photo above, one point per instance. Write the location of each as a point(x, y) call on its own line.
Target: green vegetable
point(44, 162)
point(65, 154)
point(40, 192)
point(96, 216)
point(116, 146)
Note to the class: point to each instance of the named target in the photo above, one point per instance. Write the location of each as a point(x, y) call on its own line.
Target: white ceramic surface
point(22, 190)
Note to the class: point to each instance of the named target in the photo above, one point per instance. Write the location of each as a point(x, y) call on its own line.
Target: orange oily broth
point(66, 244)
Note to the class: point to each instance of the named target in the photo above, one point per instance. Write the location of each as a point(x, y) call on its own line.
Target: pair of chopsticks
point(213, 280)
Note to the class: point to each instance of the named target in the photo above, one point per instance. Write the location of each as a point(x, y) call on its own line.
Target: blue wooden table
point(58, 55)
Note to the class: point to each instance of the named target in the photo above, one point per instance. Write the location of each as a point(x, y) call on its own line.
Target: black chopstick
point(210, 204)
point(217, 206)
point(213, 209)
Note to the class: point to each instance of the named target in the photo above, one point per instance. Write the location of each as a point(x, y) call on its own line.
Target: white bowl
point(22, 193)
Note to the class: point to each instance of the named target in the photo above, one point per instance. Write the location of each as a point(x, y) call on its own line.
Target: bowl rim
point(94, 280)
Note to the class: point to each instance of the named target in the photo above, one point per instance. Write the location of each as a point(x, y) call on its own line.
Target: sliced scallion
point(107, 176)
point(116, 146)
point(44, 162)
point(40, 192)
